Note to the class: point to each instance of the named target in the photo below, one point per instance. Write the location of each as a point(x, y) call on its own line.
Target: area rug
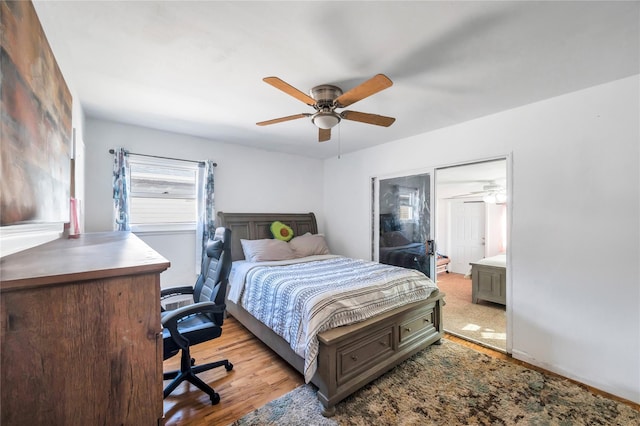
point(451, 384)
point(483, 322)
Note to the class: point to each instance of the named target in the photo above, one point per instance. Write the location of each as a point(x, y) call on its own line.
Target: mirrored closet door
point(402, 222)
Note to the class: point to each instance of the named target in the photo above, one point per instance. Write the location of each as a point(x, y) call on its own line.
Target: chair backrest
point(216, 266)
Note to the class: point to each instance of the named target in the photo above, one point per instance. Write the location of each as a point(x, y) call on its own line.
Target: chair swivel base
point(189, 374)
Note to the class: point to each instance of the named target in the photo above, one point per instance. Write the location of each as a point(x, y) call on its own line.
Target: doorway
point(471, 225)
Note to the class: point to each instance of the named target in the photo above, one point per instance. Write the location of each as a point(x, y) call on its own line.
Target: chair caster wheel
point(193, 362)
point(228, 367)
point(215, 398)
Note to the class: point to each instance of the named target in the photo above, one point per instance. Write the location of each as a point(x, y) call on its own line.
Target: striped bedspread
point(300, 300)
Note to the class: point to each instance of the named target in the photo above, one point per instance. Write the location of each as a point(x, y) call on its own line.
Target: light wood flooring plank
point(258, 376)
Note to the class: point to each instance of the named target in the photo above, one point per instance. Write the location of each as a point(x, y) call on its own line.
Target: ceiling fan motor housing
point(325, 95)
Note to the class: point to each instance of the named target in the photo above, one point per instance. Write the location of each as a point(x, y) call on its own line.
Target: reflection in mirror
point(404, 218)
point(471, 225)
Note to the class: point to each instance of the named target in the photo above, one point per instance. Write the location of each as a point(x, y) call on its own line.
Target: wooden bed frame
point(349, 356)
point(488, 282)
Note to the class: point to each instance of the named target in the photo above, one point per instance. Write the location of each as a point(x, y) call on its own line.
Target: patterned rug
point(452, 385)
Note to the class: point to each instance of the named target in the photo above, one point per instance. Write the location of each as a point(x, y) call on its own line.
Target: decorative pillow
point(309, 244)
point(267, 249)
point(280, 231)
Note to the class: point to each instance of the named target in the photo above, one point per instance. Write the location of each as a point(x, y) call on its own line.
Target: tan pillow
point(309, 245)
point(267, 249)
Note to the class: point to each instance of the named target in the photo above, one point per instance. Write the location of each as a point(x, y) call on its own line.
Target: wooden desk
point(80, 333)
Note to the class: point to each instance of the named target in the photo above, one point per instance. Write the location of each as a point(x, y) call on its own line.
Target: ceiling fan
point(491, 193)
point(326, 98)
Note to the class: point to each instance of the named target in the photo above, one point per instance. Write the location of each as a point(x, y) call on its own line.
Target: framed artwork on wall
point(35, 124)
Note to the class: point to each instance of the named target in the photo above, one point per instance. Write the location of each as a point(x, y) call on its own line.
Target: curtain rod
point(112, 151)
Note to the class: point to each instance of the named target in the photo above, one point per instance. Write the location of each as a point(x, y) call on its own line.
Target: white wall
point(246, 180)
point(494, 229)
point(574, 296)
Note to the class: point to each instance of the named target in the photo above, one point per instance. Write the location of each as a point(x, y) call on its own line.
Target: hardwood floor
point(258, 376)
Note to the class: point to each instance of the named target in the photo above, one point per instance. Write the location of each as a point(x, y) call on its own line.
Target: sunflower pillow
point(280, 231)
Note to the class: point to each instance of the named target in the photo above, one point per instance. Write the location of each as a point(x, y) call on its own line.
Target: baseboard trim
point(476, 342)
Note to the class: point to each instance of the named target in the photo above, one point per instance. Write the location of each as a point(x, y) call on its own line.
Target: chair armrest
point(173, 317)
point(168, 293)
point(175, 291)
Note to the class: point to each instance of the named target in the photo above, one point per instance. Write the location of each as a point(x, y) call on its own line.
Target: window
point(408, 204)
point(163, 194)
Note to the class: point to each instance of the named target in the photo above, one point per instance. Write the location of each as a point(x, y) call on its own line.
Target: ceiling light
point(325, 120)
point(495, 198)
point(489, 198)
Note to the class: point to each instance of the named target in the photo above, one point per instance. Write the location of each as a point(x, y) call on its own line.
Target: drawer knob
point(354, 358)
point(408, 330)
point(383, 343)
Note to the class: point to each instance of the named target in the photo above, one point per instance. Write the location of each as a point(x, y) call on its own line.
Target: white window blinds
point(163, 192)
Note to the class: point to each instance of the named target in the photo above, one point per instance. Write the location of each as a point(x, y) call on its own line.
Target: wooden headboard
point(255, 226)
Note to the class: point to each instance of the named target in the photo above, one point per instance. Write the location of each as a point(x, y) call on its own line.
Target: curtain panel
point(121, 187)
point(206, 226)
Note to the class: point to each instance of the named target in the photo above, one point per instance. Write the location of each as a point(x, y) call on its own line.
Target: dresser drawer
point(360, 354)
point(417, 326)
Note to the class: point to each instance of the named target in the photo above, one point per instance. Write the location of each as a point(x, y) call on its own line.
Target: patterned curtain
point(206, 226)
point(121, 185)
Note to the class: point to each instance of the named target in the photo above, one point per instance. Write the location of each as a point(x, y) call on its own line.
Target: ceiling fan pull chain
point(339, 143)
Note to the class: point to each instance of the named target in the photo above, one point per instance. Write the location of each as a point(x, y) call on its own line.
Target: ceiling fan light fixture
point(495, 198)
point(489, 198)
point(325, 120)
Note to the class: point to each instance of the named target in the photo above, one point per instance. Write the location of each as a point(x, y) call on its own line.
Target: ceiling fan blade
point(281, 119)
point(467, 195)
point(289, 90)
point(324, 135)
point(373, 85)
point(363, 117)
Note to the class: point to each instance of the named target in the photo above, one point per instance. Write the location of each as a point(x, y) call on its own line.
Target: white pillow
point(309, 245)
point(267, 249)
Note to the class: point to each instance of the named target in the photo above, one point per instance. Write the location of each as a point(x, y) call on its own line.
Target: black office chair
point(202, 320)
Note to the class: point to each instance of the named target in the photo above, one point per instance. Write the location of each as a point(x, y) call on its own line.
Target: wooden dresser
point(80, 333)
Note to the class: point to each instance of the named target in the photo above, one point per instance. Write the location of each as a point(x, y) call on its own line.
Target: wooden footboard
point(352, 356)
point(489, 283)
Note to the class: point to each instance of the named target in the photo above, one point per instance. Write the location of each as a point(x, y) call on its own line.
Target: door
point(403, 223)
point(467, 234)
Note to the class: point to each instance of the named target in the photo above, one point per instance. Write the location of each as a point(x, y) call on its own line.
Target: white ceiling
point(197, 67)
point(464, 180)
